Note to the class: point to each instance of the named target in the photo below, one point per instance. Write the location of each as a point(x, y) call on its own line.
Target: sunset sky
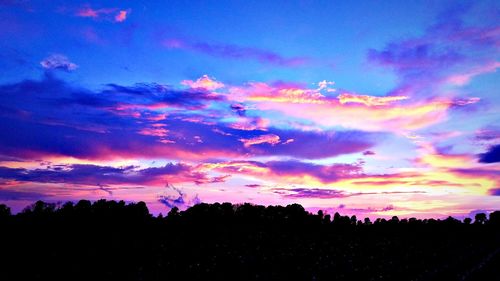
point(372, 108)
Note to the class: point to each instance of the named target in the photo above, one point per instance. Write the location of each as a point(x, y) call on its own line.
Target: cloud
point(87, 174)
point(109, 14)
point(240, 109)
point(229, 51)
point(464, 78)
point(278, 93)
point(320, 108)
point(414, 55)
point(51, 118)
point(58, 62)
point(368, 100)
point(449, 53)
point(322, 193)
point(204, 82)
point(491, 156)
point(7, 195)
point(268, 138)
point(488, 134)
point(122, 15)
point(178, 199)
point(289, 170)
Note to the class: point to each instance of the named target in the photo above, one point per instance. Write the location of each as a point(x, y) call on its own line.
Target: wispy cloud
point(229, 51)
point(94, 175)
point(109, 14)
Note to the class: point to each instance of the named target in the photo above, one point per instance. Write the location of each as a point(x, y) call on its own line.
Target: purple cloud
point(325, 173)
point(52, 118)
point(323, 193)
point(488, 134)
point(494, 191)
point(105, 175)
point(58, 62)
point(15, 195)
point(178, 199)
point(448, 53)
point(291, 168)
point(237, 52)
point(491, 156)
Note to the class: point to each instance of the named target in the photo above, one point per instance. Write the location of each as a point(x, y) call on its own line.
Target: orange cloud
point(368, 100)
point(386, 118)
point(346, 110)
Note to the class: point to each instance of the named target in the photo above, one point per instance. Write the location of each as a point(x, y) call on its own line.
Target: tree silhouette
point(495, 218)
point(4, 211)
point(115, 240)
point(480, 218)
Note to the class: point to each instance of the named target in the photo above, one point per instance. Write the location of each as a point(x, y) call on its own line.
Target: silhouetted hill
point(108, 240)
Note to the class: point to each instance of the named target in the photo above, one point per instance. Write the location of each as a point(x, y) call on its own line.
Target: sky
point(367, 108)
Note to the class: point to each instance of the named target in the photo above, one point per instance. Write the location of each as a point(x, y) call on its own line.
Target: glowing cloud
point(204, 82)
point(110, 14)
point(269, 138)
point(121, 16)
point(368, 100)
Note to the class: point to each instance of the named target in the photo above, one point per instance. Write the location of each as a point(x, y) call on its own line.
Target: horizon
point(373, 109)
point(54, 207)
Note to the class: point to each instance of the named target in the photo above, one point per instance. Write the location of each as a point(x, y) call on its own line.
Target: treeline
point(217, 213)
point(109, 240)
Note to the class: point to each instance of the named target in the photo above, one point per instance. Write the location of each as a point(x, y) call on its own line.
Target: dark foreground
point(110, 240)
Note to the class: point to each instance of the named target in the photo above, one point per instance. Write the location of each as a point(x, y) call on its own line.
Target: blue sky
point(385, 106)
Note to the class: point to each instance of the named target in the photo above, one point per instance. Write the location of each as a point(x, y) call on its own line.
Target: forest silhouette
point(109, 240)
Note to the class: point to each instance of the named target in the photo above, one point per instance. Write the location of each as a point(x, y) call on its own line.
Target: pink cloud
point(368, 100)
point(250, 124)
point(461, 79)
point(268, 138)
point(121, 16)
point(96, 175)
point(289, 171)
point(281, 93)
point(158, 132)
point(377, 113)
point(204, 82)
point(230, 51)
point(110, 14)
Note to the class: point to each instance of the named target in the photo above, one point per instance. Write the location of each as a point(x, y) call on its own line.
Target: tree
point(480, 218)
point(4, 211)
point(174, 212)
point(40, 208)
point(495, 218)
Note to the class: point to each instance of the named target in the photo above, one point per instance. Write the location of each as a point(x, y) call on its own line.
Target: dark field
point(110, 240)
